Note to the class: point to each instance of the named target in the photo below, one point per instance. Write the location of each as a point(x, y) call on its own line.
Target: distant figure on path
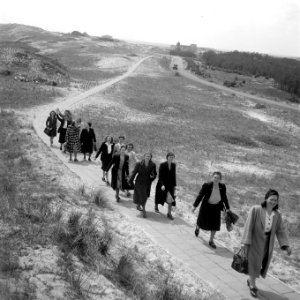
point(166, 184)
point(106, 150)
point(65, 120)
point(51, 126)
point(87, 140)
point(212, 195)
point(263, 223)
point(146, 173)
point(72, 139)
point(120, 171)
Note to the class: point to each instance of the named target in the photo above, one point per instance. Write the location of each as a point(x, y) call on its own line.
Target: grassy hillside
point(255, 148)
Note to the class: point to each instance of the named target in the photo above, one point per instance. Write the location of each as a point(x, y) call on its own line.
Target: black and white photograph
point(150, 150)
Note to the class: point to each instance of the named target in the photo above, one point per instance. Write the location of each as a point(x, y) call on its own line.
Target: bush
point(237, 140)
point(271, 140)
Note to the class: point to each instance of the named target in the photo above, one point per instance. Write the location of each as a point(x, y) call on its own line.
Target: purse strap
point(225, 209)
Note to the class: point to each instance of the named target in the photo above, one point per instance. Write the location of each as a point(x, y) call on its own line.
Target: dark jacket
point(115, 162)
point(51, 123)
point(105, 156)
point(87, 139)
point(166, 178)
point(205, 194)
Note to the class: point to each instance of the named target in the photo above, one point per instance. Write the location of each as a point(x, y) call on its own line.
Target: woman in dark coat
point(146, 173)
point(213, 196)
point(51, 126)
point(120, 171)
point(264, 222)
point(166, 184)
point(72, 139)
point(106, 150)
point(87, 140)
point(65, 120)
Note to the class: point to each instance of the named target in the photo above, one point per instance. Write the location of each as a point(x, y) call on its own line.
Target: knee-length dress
point(62, 129)
point(166, 178)
point(51, 123)
point(144, 177)
point(120, 172)
point(209, 217)
point(72, 139)
point(106, 152)
point(87, 139)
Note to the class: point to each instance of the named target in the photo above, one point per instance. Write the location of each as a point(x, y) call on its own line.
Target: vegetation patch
point(239, 140)
point(271, 140)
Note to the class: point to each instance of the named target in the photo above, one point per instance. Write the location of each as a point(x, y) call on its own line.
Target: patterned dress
point(72, 139)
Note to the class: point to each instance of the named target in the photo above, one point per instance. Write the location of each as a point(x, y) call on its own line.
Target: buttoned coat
point(254, 236)
point(105, 156)
point(166, 178)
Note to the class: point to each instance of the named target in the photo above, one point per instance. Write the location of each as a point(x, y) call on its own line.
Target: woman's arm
point(200, 196)
point(100, 150)
point(112, 162)
point(224, 198)
point(248, 228)
point(133, 173)
point(281, 234)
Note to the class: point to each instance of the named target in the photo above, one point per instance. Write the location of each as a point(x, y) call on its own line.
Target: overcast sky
point(265, 26)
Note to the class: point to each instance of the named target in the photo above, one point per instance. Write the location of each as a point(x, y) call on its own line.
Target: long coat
point(209, 217)
point(105, 156)
point(145, 176)
point(254, 236)
point(115, 162)
point(61, 130)
point(87, 139)
point(51, 123)
point(166, 178)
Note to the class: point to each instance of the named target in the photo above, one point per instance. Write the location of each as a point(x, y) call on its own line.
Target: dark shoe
point(107, 182)
point(196, 232)
point(138, 207)
point(118, 198)
point(169, 216)
point(89, 159)
point(212, 244)
point(144, 214)
point(156, 210)
point(60, 148)
point(103, 179)
point(253, 290)
point(75, 159)
point(128, 194)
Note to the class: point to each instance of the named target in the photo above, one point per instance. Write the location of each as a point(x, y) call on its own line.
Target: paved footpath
point(177, 237)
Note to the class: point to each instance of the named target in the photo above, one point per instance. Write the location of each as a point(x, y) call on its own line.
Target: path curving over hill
point(176, 236)
point(178, 60)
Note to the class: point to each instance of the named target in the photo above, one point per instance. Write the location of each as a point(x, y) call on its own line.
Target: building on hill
point(182, 48)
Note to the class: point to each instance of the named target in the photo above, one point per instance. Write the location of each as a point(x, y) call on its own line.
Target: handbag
point(47, 130)
point(240, 261)
point(230, 218)
point(169, 198)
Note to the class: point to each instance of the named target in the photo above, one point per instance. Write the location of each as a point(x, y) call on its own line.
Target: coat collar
point(263, 218)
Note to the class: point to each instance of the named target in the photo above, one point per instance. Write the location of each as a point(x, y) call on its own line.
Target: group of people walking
point(264, 221)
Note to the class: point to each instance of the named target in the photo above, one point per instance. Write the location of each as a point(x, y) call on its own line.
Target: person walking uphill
point(263, 223)
point(120, 171)
point(65, 120)
point(166, 184)
point(72, 139)
point(51, 125)
point(212, 195)
point(106, 150)
point(87, 140)
point(146, 173)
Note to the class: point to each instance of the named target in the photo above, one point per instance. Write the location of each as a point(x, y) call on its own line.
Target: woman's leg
point(144, 210)
point(61, 146)
point(75, 156)
point(84, 156)
point(103, 176)
point(169, 215)
point(51, 141)
point(117, 194)
point(212, 235)
point(70, 156)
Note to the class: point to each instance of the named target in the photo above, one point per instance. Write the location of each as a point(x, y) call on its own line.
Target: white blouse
point(269, 221)
point(108, 148)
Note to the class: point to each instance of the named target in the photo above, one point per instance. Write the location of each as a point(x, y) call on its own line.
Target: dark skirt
point(209, 217)
point(140, 194)
point(62, 135)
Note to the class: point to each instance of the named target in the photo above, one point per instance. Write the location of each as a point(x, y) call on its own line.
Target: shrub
point(271, 140)
point(100, 200)
point(236, 140)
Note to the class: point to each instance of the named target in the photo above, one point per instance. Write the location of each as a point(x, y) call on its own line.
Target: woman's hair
point(130, 144)
point(122, 137)
point(148, 153)
point(122, 146)
point(52, 112)
point(109, 136)
point(270, 193)
point(170, 154)
point(90, 124)
point(217, 173)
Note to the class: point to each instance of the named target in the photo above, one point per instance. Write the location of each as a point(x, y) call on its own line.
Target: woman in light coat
point(264, 222)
